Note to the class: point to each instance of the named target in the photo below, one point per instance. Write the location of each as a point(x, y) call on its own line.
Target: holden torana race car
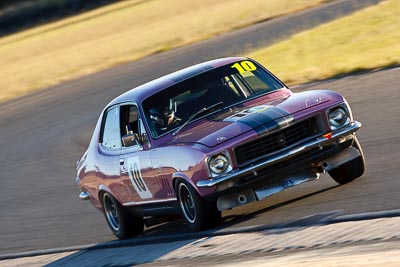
point(212, 137)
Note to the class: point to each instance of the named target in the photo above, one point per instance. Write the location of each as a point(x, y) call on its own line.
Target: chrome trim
point(228, 169)
point(351, 128)
point(84, 195)
point(346, 108)
point(148, 202)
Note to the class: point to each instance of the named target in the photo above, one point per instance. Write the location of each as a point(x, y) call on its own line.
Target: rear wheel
point(122, 223)
point(350, 170)
point(198, 213)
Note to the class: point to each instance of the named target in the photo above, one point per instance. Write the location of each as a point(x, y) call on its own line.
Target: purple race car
point(209, 138)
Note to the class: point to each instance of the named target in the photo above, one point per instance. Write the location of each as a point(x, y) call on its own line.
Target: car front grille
point(276, 141)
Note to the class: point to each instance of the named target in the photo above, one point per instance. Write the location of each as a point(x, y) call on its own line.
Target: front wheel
point(199, 214)
point(121, 222)
point(350, 170)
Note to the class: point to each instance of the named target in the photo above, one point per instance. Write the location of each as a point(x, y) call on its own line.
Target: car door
point(106, 166)
point(136, 169)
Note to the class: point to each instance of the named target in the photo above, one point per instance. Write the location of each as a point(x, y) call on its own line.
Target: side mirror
point(131, 139)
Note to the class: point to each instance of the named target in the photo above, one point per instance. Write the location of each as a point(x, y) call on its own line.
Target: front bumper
point(284, 156)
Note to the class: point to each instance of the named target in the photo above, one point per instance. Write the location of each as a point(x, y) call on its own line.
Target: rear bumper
point(253, 170)
point(83, 195)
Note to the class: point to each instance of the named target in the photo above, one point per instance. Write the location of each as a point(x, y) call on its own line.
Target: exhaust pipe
point(235, 200)
point(242, 199)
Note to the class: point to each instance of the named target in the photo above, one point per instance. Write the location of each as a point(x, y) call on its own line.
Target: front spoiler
point(318, 142)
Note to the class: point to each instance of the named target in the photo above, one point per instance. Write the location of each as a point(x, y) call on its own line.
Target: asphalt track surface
point(43, 134)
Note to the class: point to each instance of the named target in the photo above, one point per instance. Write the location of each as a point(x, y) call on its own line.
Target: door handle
point(121, 162)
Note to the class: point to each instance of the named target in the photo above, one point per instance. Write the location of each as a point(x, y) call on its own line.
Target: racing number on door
point(136, 178)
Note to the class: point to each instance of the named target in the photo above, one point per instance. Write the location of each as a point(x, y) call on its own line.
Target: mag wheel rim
point(111, 212)
point(187, 203)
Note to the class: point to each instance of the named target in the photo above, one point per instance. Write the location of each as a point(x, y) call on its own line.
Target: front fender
point(182, 176)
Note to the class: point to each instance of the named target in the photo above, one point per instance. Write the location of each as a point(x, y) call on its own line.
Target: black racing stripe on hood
point(267, 121)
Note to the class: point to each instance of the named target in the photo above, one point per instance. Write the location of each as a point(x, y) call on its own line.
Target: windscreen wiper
point(195, 115)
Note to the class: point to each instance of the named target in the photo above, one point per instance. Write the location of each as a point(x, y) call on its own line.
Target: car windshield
point(231, 84)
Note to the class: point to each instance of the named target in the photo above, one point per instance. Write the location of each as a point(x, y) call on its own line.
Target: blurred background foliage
point(88, 42)
point(121, 32)
point(16, 15)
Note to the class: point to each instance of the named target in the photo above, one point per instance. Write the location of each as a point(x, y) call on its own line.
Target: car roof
point(138, 94)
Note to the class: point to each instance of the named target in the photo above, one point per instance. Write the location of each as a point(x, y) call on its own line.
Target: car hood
point(260, 115)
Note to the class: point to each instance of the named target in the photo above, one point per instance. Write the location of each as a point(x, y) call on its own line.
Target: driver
point(165, 119)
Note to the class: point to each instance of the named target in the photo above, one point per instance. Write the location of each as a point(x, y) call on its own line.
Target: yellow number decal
point(244, 66)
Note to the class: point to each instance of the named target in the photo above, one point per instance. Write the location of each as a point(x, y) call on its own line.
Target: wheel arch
point(181, 176)
point(203, 192)
point(105, 189)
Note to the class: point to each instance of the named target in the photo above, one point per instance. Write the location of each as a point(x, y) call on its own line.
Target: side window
point(130, 126)
point(111, 131)
point(129, 120)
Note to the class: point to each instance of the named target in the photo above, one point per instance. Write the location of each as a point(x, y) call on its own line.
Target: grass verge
point(120, 33)
point(367, 39)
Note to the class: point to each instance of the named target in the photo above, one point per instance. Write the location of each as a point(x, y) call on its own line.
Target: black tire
point(351, 170)
point(122, 223)
point(198, 213)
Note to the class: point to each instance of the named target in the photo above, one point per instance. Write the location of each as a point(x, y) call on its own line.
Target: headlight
point(338, 117)
point(219, 164)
